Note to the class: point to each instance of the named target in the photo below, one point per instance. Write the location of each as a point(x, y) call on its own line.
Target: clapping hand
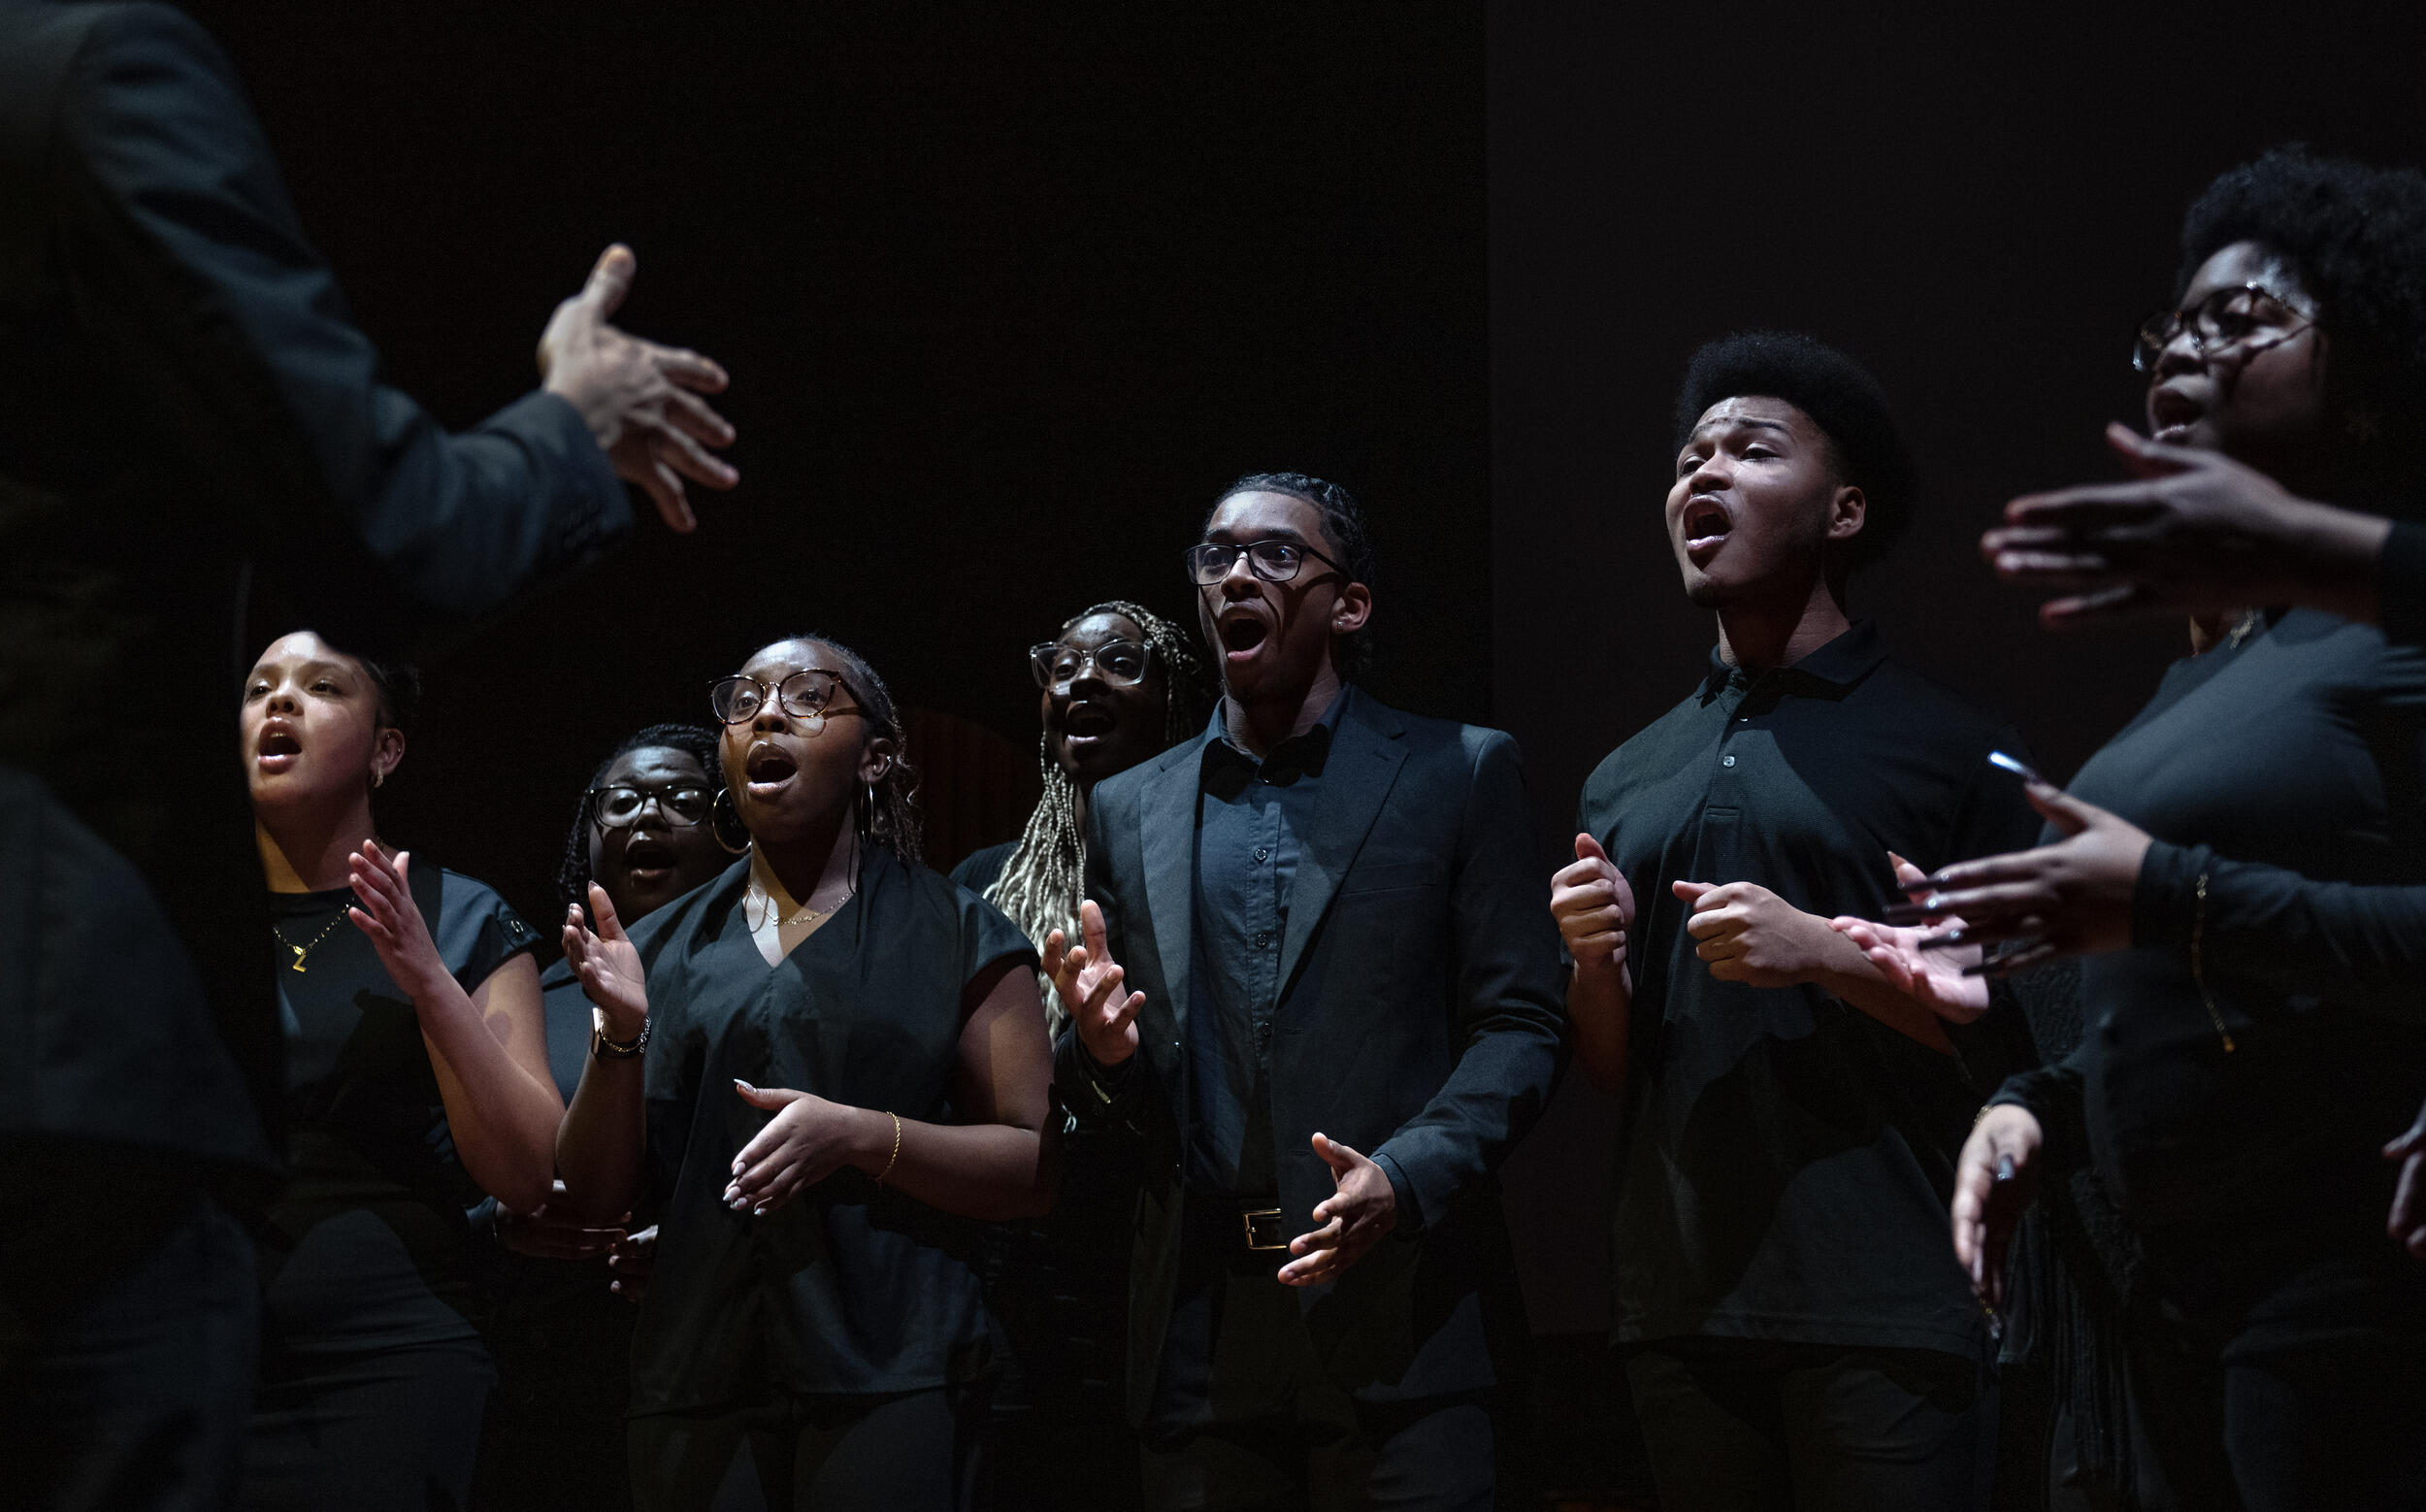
point(609, 967)
point(1089, 982)
point(2072, 897)
point(386, 911)
point(1350, 1222)
point(633, 1258)
point(1749, 933)
point(1931, 965)
point(640, 400)
point(1593, 907)
point(808, 1140)
point(556, 1231)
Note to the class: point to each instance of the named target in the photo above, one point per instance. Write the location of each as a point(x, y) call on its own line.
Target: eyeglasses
point(2252, 318)
point(806, 695)
point(1273, 561)
point(619, 807)
point(1120, 663)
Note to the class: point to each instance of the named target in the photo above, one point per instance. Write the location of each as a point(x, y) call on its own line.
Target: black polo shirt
point(1786, 1158)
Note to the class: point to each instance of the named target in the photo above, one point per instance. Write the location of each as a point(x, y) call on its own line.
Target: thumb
point(1691, 892)
point(2408, 1143)
point(404, 859)
point(771, 1098)
point(2062, 810)
point(1337, 1156)
point(2144, 456)
point(1587, 848)
point(1905, 873)
point(610, 280)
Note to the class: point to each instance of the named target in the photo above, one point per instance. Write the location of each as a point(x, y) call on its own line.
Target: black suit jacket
point(1420, 1016)
point(188, 421)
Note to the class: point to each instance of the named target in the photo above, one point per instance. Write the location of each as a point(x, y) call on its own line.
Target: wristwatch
point(605, 1049)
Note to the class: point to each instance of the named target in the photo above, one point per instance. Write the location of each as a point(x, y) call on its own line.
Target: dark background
point(1008, 298)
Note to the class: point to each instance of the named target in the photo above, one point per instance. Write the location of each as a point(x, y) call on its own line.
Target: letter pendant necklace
point(302, 951)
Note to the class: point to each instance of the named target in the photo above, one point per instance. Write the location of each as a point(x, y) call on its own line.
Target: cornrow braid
point(1043, 878)
point(697, 741)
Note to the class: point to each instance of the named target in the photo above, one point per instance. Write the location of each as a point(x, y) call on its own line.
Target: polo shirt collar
point(1834, 667)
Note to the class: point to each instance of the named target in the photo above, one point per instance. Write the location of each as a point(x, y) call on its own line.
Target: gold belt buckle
point(1264, 1230)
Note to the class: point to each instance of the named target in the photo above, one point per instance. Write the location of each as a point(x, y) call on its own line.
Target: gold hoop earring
point(724, 823)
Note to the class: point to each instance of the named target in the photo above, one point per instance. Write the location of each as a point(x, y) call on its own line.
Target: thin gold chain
point(761, 896)
point(2198, 965)
point(302, 951)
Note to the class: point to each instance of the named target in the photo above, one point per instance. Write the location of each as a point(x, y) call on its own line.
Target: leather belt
point(1229, 1225)
point(1262, 1227)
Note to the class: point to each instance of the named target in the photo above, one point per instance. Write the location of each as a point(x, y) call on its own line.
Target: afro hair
point(1841, 398)
point(2355, 237)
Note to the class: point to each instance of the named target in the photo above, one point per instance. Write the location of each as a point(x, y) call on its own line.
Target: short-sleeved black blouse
point(365, 1245)
point(849, 1288)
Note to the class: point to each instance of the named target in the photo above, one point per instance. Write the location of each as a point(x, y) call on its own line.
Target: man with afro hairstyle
point(1797, 1333)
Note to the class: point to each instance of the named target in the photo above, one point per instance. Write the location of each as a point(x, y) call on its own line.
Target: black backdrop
point(1007, 297)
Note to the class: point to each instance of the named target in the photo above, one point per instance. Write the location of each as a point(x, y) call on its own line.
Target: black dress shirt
point(1788, 1158)
point(1249, 817)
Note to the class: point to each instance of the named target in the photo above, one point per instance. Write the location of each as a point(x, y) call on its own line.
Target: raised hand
point(1929, 965)
point(640, 400)
point(1994, 1182)
point(1594, 907)
point(2072, 897)
point(808, 1140)
point(1089, 982)
point(1349, 1222)
point(555, 1232)
point(607, 964)
point(1749, 933)
point(2190, 532)
point(633, 1258)
point(386, 911)
point(2407, 1222)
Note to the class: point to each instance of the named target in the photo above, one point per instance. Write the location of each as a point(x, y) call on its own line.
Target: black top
point(2254, 1173)
point(194, 425)
point(848, 1288)
point(982, 867)
point(365, 1245)
point(1250, 819)
point(2401, 584)
point(1788, 1158)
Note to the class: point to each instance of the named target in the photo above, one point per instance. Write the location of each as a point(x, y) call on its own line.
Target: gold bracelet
point(2198, 964)
point(897, 1151)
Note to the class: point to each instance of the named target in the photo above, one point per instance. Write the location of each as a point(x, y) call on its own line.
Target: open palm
point(608, 964)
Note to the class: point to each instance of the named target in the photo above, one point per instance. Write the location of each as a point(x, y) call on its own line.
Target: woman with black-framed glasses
point(812, 1073)
point(2242, 871)
point(647, 831)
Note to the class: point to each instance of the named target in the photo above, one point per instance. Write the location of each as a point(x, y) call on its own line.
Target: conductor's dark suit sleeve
point(191, 272)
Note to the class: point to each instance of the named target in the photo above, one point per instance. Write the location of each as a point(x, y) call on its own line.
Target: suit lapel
point(1167, 837)
point(1364, 760)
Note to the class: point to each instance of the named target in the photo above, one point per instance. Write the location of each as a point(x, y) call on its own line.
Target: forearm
point(1599, 999)
point(1846, 972)
point(502, 1120)
point(993, 1172)
point(2284, 932)
point(600, 1144)
point(2331, 557)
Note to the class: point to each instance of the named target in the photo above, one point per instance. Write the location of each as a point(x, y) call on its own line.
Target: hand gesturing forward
point(609, 966)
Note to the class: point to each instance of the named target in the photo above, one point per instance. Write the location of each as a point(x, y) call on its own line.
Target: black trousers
point(909, 1453)
point(383, 1431)
point(1244, 1419)
point(129, 1317)
point(1744, 1426)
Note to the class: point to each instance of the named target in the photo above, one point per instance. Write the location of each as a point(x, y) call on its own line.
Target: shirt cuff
point(1410, 1215)
point(2401, 584)
point(2165, 902)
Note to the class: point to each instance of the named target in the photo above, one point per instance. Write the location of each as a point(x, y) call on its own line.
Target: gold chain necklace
point(302, 951)
point(766, 900)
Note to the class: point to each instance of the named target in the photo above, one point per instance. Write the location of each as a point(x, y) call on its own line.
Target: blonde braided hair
point(1043, 878)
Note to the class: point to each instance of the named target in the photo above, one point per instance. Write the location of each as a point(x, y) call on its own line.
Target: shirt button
point(1726, 761)
point(1262, 939)
point(1262, 852)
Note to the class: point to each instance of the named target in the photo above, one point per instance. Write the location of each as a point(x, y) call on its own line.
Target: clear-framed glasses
point(806, 695)
point(619, 806)
point(1273, 561)
point(2251, 317)
point(1119, 663)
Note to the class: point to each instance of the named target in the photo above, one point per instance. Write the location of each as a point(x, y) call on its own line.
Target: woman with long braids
point(1118, 684)
point(647, 828)
point(810, 1072)
point(416, 1080)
